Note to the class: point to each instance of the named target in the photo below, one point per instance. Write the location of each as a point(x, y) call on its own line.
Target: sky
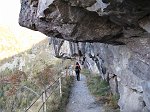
point(9, 15)
point(26, 38)
point(9, 12)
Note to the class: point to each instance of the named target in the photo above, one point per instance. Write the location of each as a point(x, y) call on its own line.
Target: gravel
point(81, 99)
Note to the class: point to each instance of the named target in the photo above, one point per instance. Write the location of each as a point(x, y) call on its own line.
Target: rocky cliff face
point(30, 62)
point(118, 32)
point(107, 21)
point(126, 67)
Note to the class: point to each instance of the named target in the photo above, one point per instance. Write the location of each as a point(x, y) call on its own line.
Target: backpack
point(77, 68)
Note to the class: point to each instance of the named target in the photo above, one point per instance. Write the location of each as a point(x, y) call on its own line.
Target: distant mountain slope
point(13, 42)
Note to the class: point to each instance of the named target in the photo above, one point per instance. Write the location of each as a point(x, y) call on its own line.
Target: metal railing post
point(60, 88)
point(44, 101)
point(44, 96)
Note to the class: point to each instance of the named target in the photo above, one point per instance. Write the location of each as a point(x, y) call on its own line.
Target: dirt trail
point(81, 99)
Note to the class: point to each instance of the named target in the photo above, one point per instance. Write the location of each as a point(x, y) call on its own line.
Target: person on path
point(77, 70)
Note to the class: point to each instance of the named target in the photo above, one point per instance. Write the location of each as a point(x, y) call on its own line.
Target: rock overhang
point(106, 21)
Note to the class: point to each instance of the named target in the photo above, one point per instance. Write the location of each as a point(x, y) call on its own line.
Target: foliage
point(86, 72)
point(113, 101)
point(19, 88)
point(98, 86)
point(13, 95)
point(101, 90)
point(57, 103)
point(45, 77)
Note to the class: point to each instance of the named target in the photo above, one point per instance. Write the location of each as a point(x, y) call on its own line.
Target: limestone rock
point(126, 67)
point(121, 26)
point(146, 95)
point(103, 21)
point(130, 100)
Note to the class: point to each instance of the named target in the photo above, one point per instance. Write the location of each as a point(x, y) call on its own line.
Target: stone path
point(81, 100)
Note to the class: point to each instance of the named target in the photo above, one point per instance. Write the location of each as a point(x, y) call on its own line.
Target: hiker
point(77, 70)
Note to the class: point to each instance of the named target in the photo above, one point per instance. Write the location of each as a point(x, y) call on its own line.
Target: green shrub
point(86, 72)
point(113, 103)
point(101, 90)
point(97, 86)
point(57, 103)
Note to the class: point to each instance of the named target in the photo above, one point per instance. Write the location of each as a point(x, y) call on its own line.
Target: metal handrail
point(43, 92)
point(47, 99)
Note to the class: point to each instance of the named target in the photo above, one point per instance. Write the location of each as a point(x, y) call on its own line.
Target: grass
point(65, 93)
point(33, 51)
point(57, 103)
point(101, 90)
point(23, 97)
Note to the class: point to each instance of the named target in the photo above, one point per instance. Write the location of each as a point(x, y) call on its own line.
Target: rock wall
point(107, 21)
point(126, 66)
point(121, 26)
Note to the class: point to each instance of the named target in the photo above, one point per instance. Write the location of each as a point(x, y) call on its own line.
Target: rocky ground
point(81, 100)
